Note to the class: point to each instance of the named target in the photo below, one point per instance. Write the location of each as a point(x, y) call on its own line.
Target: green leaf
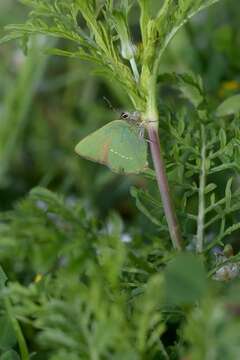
point(222, 138)
point(230, 106)
point(3, 278)
point(181, 126)
point(190, 85)
point(228, 193)
point(10, 355)
point(185, 280)
point(7, 334)
point(174, 14)
point(210, 187)
point(147, 205)
point(231, 229)
point(120, 22)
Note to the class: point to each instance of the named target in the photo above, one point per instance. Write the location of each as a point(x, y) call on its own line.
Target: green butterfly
point(120, 145)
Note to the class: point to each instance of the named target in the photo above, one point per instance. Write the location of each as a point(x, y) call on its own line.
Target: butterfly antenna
point(109, 104)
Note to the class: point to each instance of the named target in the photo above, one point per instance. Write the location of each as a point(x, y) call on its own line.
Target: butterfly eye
point(124, 115)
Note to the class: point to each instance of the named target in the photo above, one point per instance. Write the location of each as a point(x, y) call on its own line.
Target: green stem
point(18, 331)
point(158, 161)
point(201, 195)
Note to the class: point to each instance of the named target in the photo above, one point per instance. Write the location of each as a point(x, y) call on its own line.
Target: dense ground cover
point(90, 265)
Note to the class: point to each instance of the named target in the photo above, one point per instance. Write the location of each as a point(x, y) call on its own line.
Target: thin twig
point(17, 329)
point(201, 195)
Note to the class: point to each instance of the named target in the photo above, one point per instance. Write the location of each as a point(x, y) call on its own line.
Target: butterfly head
point(131, 116)
point(125, 115)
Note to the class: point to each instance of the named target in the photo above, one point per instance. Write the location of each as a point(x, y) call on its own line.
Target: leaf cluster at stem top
point(103, 37)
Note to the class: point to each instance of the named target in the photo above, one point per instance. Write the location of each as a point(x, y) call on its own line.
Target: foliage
point(200, 145)
point(105, 26)
point(85, 286)
point(88, 294)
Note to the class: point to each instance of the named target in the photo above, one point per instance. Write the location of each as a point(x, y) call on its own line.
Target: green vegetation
point(102, 265)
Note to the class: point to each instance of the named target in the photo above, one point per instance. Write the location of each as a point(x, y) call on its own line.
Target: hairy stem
point(163, 185)
point(201, 196)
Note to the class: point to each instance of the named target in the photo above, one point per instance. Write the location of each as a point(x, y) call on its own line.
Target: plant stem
point(201, 196)
point(158, 161)
point(17, 329)
point(163, 185)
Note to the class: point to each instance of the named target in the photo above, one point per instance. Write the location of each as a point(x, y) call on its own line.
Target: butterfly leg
point(141, 131)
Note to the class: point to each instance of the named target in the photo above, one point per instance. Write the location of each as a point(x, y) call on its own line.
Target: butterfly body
point(131, 117)
point(134, 119)
point(116, 145)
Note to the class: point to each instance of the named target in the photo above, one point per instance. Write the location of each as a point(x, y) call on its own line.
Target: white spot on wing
point(122, 156)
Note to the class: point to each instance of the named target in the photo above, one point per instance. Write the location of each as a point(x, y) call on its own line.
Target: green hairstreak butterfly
point(119, 145)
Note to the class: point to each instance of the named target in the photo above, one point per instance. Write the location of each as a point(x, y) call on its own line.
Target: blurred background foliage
point(48, 103)
point(48, 243)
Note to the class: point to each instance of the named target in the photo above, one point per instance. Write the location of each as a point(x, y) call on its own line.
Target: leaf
point(120, 22)
point(140, 197)
point(222, 138)
point(210, 187)
point(10, 355)
point(7, 335)
point(185, 280)
point(189, 84)
point(231, 229)
point(144, 19)
point(9, 37)
point(116, 145)
point(228, 193)
point(174, 14)
point(181, 126)
point(230, 106)
point(224, 167)
point(3, 278)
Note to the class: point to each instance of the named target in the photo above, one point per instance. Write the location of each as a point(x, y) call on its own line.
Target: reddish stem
point(163, 185)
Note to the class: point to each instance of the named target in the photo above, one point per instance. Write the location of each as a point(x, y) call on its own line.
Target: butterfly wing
point(117, 146)
point(128, 153)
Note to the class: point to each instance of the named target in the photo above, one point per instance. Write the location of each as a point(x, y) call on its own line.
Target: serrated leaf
point(231, 229)
point(210, 187)
point(174, 14)
point(189, 84)
point(192, 93)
